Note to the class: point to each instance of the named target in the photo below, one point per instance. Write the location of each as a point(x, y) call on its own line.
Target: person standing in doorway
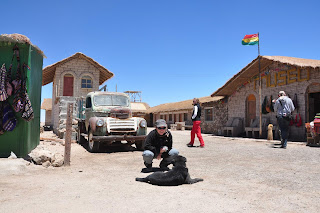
point(283, 107)
point(196, 120)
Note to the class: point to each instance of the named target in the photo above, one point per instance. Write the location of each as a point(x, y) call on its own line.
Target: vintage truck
point(106, 117)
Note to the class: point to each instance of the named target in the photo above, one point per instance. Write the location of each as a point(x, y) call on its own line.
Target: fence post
point(67, 147)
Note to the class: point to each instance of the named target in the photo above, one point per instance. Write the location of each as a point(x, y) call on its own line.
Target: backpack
point(18, 99)
point(299, 123)
point(1, 115)
point(9, 121)
point(271, 104)
point(264, 106)
point(8, 81)
point(3, 92)
point(268, 105)
point(27, 111)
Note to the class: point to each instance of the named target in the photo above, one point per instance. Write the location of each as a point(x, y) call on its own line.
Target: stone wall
point(278, 77)
point(220, 117)
point(61, 108)
point(48, 121)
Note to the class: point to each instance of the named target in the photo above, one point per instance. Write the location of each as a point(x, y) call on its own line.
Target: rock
point(57, 160)
point(74, 122)
point(12, 156)
point(40, 156)
point(46, 164)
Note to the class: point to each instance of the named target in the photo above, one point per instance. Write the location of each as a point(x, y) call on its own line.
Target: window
point(88, 102)
point(86, 82)
point(111, 100)
point(161, 116)
point(170, 117)
point(208, 114)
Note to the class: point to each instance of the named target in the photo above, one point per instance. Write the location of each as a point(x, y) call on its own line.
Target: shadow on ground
point(113, 149)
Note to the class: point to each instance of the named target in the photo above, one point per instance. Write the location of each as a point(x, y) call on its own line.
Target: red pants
point(196, 130)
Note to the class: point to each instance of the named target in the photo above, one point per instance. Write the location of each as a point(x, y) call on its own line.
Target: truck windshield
point(111, 100)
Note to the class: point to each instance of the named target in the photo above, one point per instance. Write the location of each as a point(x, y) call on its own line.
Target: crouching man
point(158, 144)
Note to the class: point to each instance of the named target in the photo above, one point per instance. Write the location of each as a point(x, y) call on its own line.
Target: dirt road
point(240, 175)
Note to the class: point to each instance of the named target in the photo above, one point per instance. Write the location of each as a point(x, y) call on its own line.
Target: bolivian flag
point(250, 39)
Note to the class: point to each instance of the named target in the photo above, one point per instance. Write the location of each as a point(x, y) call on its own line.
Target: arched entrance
point(68, 85)
point(250, 109)
point(312, 101)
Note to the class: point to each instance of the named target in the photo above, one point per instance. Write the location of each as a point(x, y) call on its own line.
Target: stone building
point(72, 77)
point(182, 111)
point(139, 109)
point(299, 78)
point(215, 115)
point(47, 106)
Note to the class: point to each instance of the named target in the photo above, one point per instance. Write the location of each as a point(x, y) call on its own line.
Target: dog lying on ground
point(178, 175)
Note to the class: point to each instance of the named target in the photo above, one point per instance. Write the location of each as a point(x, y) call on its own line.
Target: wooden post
point(260, 91)
point(67, 147)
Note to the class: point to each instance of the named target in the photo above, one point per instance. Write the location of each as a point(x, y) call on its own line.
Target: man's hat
point(161, 123)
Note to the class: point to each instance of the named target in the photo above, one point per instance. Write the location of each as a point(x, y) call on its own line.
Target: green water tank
point(26, 135)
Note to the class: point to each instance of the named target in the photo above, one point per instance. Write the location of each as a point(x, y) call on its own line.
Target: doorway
point(313, 105)
point(151, 119)
point(313, 101)
point(68, 85)
point(250, 109)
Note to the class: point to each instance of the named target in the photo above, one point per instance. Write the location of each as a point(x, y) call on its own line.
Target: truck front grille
point(121, 125)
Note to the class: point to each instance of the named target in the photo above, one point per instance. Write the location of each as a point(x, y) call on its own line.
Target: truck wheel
point(80, 138)
point(140, 145)
point(93, 146)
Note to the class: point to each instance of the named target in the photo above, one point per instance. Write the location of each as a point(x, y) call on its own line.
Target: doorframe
point(307, 96)
point(247, 121)
point(68, 75)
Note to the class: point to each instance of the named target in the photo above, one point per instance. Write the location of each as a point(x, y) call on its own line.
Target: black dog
point(178, 175)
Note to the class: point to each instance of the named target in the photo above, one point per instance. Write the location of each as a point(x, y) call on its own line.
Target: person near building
point(196, 120)
point(283, 107)
point(158, 144)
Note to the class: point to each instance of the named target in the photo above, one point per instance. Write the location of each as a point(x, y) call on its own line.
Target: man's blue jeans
point(148, 156)
point(284, 130)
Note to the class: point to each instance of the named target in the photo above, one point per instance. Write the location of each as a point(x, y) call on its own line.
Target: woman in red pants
point(196, 119)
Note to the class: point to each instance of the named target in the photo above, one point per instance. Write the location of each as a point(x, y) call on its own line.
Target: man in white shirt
point(196, 120)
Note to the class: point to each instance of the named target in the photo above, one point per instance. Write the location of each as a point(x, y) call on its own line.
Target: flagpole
point(260, 90)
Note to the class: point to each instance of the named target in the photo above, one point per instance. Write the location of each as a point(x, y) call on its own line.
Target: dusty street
point(240, 175)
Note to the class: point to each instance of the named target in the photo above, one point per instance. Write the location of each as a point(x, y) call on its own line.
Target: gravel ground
point(240, 175)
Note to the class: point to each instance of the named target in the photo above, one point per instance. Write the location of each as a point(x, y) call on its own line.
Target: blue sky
point(171, 50)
